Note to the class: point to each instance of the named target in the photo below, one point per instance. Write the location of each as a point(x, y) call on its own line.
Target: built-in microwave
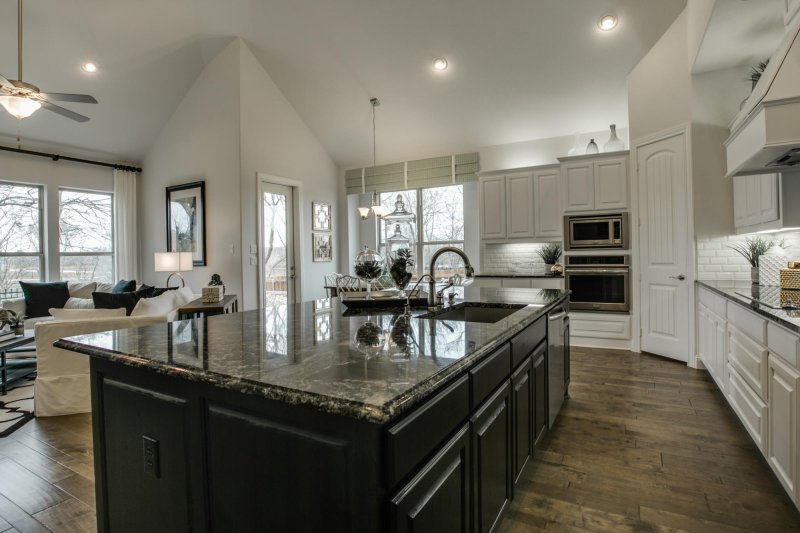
point(596, 232)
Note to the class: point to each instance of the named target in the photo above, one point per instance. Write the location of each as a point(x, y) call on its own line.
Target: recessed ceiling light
point(89, 67)
point(607, 22)
point(440, 64)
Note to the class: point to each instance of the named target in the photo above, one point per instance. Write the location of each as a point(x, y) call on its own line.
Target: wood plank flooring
point(644, 444)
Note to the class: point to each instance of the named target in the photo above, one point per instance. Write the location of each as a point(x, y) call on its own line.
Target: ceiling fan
point(23, 99)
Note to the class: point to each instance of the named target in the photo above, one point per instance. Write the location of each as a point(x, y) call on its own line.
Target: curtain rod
point(57, 157)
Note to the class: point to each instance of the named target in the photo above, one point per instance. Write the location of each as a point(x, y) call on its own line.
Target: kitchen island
point(308, 417)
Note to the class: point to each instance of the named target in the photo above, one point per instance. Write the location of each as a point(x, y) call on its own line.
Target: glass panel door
point(277, 254)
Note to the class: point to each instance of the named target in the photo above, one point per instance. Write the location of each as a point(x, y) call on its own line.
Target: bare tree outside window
point(86, 236)
point(276, 273)
point(21, 256)
point(440, 223)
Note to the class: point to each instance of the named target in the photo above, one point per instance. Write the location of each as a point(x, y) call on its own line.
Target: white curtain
point(126, 237)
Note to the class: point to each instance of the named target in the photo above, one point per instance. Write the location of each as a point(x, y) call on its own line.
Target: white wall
point(200, 141)
point(276, 141)
point(53, 175)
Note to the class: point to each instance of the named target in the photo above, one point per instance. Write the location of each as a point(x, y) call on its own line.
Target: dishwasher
point(557, 360)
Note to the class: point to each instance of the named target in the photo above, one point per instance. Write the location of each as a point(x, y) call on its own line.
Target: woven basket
point(790, 278)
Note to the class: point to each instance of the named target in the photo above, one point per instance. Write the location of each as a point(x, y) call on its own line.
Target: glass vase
point(591, 148)
point(614, 143)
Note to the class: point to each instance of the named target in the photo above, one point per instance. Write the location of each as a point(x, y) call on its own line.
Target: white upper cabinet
point(765, 202)
point(547, 207)
point(520, 205)
point(595, 183)
point(519, 191)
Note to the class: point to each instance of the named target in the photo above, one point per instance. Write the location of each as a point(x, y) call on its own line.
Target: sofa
point(62, 377)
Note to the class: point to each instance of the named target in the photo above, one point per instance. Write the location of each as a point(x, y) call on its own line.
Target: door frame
point(684, 129)
point(297, 228)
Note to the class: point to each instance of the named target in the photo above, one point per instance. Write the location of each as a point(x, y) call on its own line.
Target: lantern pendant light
point(376, 209)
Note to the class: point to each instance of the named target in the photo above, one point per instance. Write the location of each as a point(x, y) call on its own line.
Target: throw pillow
point(40, 297)
point(156, 291)
point(156, 306)
point(124, 286)
point(86, 314)
point(102, 287)
point(183, 296)
point(79, 303)
point(81, 289)
point(115, 300)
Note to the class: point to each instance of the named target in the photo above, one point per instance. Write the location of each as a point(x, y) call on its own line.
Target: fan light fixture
point(376, 209)
point(440, 64)
point(607, 22)
point(18, 106)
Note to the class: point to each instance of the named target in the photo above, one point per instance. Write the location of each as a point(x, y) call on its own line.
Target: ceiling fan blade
point(65, 97)
point(63, 112)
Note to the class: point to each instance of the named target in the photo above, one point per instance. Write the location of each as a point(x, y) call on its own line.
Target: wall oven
point(593, 232)
point(599, 282)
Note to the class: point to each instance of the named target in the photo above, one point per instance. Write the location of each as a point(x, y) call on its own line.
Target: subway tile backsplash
point(516, 258)
point(716, 260)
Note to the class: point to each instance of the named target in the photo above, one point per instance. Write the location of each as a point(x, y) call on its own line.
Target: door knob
point(679, 277)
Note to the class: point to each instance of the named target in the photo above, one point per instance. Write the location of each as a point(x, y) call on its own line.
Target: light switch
point(253, 260)
point(253, 248)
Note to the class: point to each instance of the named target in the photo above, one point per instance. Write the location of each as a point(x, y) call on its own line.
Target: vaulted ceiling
point(519, 69)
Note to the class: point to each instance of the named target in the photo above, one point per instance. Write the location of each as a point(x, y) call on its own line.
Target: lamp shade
point(173, 261)
point(19, 107)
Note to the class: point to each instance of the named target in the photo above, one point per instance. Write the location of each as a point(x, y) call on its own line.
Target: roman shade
point(432, 172)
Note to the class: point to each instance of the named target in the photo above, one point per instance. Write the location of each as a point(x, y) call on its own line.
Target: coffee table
point(7, 345)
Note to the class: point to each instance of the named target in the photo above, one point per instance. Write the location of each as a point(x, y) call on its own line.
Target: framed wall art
point(321, 216)
point(322, 247)
point(186, 220)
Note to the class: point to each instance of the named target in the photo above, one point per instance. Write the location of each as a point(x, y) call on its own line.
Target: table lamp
point(174, 262)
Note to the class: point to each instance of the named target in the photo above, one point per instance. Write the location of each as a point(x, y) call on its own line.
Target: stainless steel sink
point(468, 312)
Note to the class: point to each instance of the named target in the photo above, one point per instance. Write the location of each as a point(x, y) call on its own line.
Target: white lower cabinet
point(712, 344)
point(750, 409)
point(749, 359)
point(784, 424)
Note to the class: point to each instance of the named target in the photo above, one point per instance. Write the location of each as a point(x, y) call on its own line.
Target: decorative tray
point(382, 299)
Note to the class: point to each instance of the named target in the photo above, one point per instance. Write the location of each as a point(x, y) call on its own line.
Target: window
point(21, 255)
point(86, 236)
point(440, 223)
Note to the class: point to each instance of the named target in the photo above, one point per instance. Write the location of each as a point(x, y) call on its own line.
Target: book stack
point(6, 333)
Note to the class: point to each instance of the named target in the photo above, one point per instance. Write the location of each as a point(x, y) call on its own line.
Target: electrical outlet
point(253, 260)
point(253, 248)
point(151, 456)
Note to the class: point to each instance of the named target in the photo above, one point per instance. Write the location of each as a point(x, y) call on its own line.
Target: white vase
point(754, 275)
point(614, 143)
point(591, 148)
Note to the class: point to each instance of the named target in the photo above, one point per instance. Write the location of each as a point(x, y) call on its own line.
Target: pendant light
point(376, 209)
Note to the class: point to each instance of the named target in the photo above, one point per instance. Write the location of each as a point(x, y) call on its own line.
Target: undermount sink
point(467, 312)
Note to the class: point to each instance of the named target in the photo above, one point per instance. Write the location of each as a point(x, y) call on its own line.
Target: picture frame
point(320, 216)
point(322, 247)
point(186, 220)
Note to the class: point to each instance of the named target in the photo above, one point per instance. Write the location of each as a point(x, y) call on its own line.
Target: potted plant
point(752, 248)
point(550, 253)
point(16, 322)
point(401, 269)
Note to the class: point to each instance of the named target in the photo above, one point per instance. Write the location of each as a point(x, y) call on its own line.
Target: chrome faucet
point(435, 299)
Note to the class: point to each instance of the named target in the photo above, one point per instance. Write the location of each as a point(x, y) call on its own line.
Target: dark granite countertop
point(735, 291)
point(554, 276)
point(315, 354)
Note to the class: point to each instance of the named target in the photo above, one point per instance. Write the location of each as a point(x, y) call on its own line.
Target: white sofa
point(62, 377)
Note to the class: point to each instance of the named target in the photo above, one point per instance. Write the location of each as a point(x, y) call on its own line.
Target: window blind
point(432, 172)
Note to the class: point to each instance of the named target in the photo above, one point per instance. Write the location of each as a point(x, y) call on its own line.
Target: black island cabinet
point(174, 453)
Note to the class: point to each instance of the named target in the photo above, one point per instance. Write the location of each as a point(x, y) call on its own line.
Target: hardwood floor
point(646, 444)
point(643, 444)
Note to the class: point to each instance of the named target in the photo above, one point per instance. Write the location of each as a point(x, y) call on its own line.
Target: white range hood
point(765, 135)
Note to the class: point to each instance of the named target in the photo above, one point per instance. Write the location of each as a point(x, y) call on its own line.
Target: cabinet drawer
point(523, 344)
point(488, 374)
point(750, 409)
point(784, 343)
point(417, 435)
point(748, 322)
point(749, 358)
point(714, 303)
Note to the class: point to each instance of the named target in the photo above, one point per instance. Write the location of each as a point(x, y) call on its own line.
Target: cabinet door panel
point(539, 358)
point(522, 401)
point(491, 463)
point(611, 183)
point(783, 424)
point(519, 190)
point(766, 209)
point(749, 359)
point(750, 409)
point(547, 211)
point(437, 498)
point(578, 181)
point(492, 199)
point(740, 201)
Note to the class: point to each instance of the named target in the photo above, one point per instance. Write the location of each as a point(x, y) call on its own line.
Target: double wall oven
point(599, 282)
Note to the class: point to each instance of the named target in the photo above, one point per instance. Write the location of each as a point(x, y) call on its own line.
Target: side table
point(199, 308)
point(8, 345)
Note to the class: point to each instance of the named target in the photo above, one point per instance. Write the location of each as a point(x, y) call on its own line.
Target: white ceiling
point(740, 33)
point(519, 69)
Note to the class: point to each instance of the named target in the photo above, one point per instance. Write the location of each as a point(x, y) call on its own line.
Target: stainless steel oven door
point(599, 289)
